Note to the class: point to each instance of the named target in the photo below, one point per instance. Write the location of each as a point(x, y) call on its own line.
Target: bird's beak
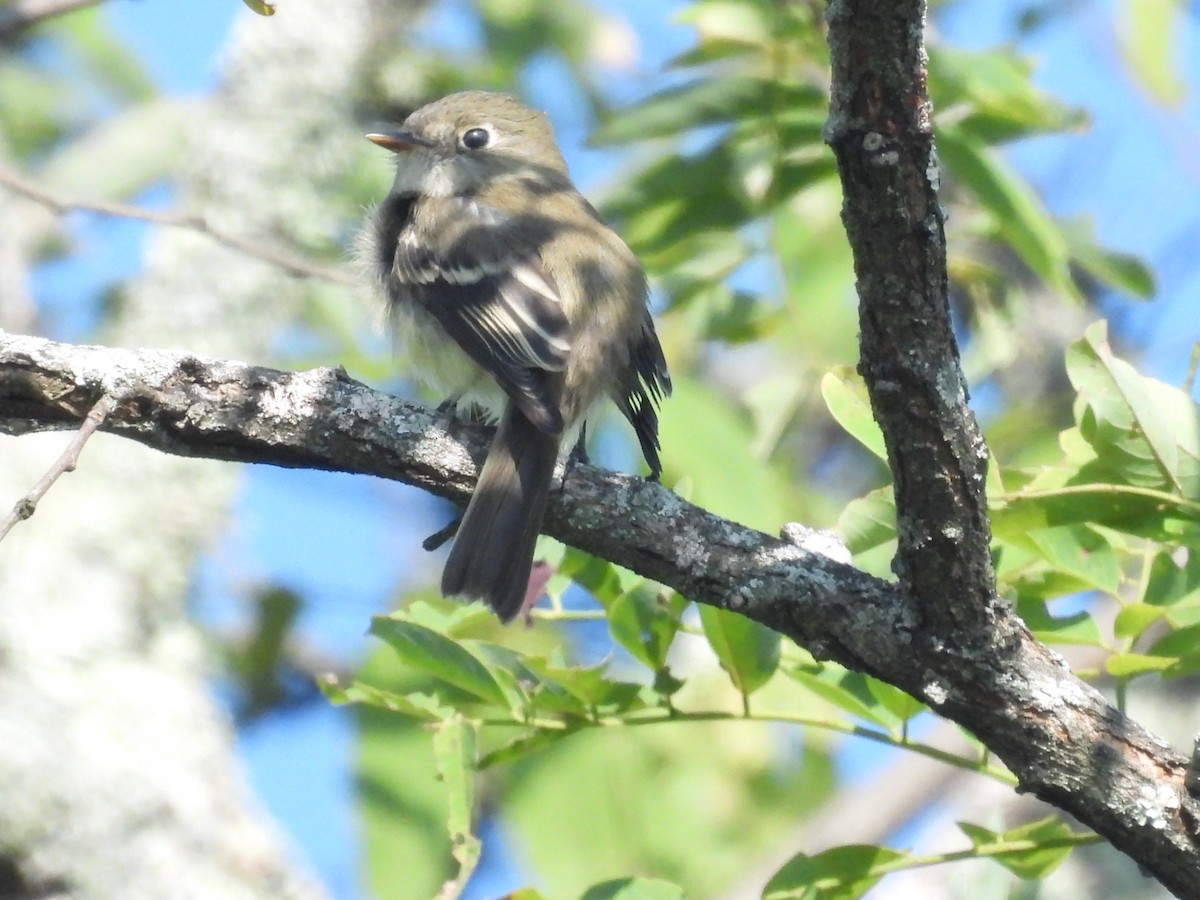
point(399, 141)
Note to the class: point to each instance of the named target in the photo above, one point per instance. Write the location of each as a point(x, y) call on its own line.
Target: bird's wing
point(640, 389)
point(491, 296)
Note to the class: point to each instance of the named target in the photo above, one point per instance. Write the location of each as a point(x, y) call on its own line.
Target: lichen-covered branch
point(1057, 734)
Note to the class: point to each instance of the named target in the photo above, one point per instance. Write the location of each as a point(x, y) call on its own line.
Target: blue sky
point(300, 763)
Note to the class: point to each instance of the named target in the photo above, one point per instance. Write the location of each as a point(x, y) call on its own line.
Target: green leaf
point(455, 620)
point(1172, 585)
point(689, 801)
point(710, 439)
point(1150, 33)
point(992, 95)
point(1129, 665)
point(678, 197)
point(1019, 218)
point(841, 873)
point(1088, 502)
point(705, 101)
point(747, 651)
point(1080, 552)
point(846, 398)
point(868, 522)
point(110, 62)
point(526, 745)
point(634, 889)
point(415, 705)
point(1135, 618)
point(262, 7)
point(773, 403)
point(1179, 644)
point(402, 807)
point(1118, 270)
point(742, 22)
point(439, 656)
point(1079, 628)
point(1031, 861)
point(589, 685)
point(901, 705)
point(644, 622)
point(454, 753)
point(597, 575)
point(836, 694)
point(1142, 430)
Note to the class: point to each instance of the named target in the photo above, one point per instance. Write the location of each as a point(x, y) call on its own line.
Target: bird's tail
point(493, 551)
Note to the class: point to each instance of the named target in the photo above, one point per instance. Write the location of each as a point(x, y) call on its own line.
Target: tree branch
point(27, 505)
point(1057, 734)
point(982, 667)
point(60, 203)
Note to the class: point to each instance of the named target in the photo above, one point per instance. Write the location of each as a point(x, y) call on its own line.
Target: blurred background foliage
point(718, 178)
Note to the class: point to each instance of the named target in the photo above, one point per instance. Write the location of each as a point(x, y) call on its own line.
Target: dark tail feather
point(493, 551)
point(640, 389)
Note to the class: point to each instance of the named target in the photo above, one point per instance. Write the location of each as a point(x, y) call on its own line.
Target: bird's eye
point(476, 138)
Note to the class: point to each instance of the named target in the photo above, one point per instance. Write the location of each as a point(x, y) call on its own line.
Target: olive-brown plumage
point(511, 293)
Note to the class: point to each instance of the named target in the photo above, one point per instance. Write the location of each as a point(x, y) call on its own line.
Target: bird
point(510, 294)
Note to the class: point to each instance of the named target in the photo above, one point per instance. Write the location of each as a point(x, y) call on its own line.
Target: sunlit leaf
point(1174, 585)
point(710, 439)
point(523, 746)
point(748, 652)
point(1150, 33)
point(591, 685)
point(1080, 552)
point(846, 397)
point(743, 22)
point(992, 95)
point(439, 656)
point(1078, 628)
point(841, 873)
point(634, 889)
point(1127, 665)
point(1121, 271)
point(1135, 618)
point(868, 522)
point(901, 705)
point(416, 705)
point(1019, 217)
point(644, 622)
point(838, 696)
point(1143, 430)
point(705, 101)
point(1048, 841)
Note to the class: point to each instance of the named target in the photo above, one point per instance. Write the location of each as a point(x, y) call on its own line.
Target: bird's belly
point(438, 362)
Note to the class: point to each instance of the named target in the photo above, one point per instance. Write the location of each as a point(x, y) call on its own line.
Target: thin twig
point(27, 505)
point(60, 203)
point(21, 14)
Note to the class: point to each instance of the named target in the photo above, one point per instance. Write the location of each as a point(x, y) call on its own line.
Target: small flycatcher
point(510, 293)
